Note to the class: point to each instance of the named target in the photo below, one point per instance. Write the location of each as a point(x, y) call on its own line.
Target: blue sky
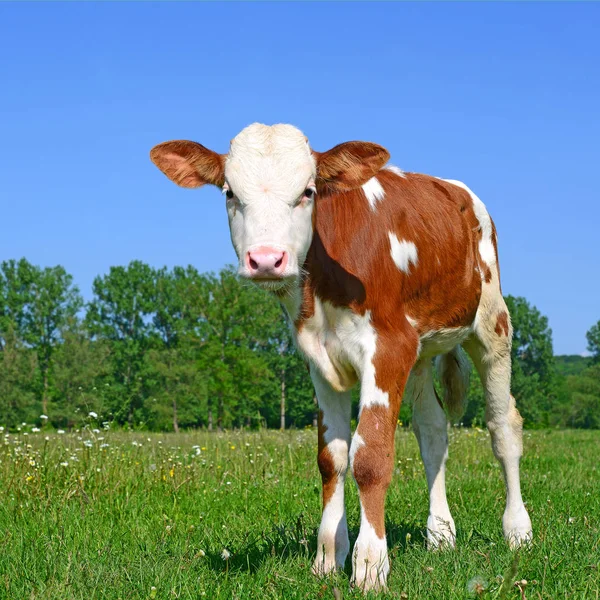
point(505, 97)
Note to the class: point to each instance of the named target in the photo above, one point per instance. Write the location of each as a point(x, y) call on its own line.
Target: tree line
point(164, 349)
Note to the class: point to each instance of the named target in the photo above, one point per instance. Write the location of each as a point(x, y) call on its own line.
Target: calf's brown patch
point(502, 327)
point(327, 469)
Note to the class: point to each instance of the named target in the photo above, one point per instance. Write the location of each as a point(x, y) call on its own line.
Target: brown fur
point(502, 327)
point(374, 462)
point(189, 164)
point(329, 475)
point(349, 265)
point(349, 262)
point(347, 166)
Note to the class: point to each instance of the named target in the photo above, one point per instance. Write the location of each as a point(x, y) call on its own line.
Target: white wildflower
point(93, 414)
point(476, 586)
point(225, 555)
point(35, 430)
point(60, 431)
point(44, 417)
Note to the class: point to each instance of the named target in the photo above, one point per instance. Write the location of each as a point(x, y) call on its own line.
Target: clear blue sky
point(505, 97)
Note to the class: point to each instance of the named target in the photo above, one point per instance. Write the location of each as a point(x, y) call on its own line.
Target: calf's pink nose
point(265, 262)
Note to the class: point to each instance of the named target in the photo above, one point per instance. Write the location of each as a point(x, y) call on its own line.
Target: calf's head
point(271, 180)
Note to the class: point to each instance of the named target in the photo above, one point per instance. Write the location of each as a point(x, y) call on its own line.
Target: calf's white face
point(270, 186)
point(270, 178)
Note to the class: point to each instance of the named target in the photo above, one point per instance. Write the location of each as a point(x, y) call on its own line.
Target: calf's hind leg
point(431, 429)
point(490, 350)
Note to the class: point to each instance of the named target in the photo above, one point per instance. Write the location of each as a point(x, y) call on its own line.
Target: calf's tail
point(454, 370)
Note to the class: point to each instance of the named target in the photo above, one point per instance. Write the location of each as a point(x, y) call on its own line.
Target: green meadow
point(102, 514)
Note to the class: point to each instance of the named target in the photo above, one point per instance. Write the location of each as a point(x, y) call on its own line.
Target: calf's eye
point(309, 193)
point(229, 194)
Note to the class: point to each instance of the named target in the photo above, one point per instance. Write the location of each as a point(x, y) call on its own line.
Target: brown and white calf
point(379, 271)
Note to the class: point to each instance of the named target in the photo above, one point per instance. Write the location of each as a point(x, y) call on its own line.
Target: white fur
point(373, 191)
point(443, 340)
point(490, 353)
point(268, 169)
point(430, 427)
point(332, 541)
point(403, 253)
point(394, 169)
point(370, 564)
point(357, 443)
point(318, 340)
point(413, 322)
point(341, 345)
point(370, 394)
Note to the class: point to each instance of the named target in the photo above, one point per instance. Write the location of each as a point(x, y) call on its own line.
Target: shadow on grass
point(292, 540)
point(285, 540)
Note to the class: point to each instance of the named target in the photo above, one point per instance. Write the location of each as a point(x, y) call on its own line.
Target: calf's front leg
point(334, 439)
point(372, 463)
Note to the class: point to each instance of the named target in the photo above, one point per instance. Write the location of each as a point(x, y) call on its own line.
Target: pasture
point(97, 514)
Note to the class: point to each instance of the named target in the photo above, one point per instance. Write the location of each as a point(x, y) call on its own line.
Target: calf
point(379, 271)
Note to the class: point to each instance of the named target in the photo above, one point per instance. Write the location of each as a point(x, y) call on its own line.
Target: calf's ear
point(349, 165)
point(189, 164)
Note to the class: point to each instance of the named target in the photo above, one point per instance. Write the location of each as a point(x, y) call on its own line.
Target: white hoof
point(323, 565)
point(441, 532)
point(370, 564)
point(331, 555)
point(517, 528)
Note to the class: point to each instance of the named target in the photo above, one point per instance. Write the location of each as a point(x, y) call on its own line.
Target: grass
point(234, 515)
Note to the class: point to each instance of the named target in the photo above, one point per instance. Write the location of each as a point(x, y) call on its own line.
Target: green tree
point(290, 379)
point(534, 378)
point(16, 279)
point(593, 340)
point(54, 301)
point(583, 407)
point(35, 304)
point(237, 316)
point(178, 386)
point(179, 391)
point(80, 364)
point(121, 313)
point(18, 366)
